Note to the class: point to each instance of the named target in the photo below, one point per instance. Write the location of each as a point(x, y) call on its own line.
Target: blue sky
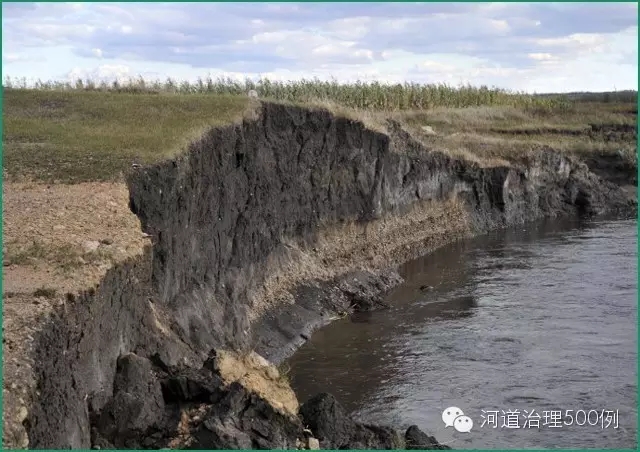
point(541, 47)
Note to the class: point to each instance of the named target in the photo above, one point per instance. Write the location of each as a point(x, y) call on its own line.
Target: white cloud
point(541, 56)
point(349, 28)
point(575, 40)
point(272, 37)
point(500, 25)
point(344, 50)
point(13, 57)
point(436, 66)
point(514, 45)
point(105, 72)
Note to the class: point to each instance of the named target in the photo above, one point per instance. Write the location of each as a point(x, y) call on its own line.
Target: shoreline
point(371, 286)
point(260, 234)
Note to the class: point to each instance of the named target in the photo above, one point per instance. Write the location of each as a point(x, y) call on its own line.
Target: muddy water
point(542, 319)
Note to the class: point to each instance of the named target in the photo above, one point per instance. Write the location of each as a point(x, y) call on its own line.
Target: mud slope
point(124, 363)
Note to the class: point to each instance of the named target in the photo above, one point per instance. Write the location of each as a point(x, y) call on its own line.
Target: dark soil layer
point(614, 167)
point(119, 364)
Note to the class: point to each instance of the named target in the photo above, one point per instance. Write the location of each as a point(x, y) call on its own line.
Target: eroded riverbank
point(261, 232)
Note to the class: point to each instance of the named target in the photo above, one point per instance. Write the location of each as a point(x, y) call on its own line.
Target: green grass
point(625, 96)
point(75, 136)
point(61, 132)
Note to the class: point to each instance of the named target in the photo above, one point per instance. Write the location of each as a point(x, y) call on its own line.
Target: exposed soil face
point(262, 232)
point(614, 167)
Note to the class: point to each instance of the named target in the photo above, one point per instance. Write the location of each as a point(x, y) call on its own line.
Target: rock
point(365, 289)
point(336, 430)
point(428, 130)
point(328, 421)
point(137, 403)
point(375, 437)
point(58, 227)
point(210, 362)
point(106, 241)
point(23, 440)
point(98, 442)
point(365, 304)
point(185, 384)
point(313, 444)
point(426, 288)
point(90, 246)
point(22, 414)
point(191, 386)
point(149, 442)
point(243, 420)
point(416, 439)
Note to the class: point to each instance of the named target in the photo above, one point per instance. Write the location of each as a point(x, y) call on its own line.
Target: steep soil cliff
point(261, 232)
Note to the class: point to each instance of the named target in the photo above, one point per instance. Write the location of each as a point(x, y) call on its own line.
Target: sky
point(532, 47)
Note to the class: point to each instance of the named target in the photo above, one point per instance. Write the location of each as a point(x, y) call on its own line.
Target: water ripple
point(544, 318)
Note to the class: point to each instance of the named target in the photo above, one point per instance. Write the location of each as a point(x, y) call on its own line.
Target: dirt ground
point(57, 239)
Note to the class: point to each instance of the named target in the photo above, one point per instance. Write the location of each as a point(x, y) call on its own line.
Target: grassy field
point(498, 135)
point(91, 132)
point(76, 136)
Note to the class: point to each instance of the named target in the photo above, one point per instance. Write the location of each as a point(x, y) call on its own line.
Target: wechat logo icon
point(455, 417)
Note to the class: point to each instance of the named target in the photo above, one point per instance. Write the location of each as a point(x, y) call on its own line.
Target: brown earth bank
point(261, 233)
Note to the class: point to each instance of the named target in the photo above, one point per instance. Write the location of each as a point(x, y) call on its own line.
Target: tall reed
point(359, 95)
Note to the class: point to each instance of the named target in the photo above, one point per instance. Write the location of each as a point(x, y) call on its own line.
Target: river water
point(517, 329)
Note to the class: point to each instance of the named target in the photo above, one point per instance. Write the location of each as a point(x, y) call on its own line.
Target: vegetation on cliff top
point(360, 95)
point(90, 131)
point(76, 136)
